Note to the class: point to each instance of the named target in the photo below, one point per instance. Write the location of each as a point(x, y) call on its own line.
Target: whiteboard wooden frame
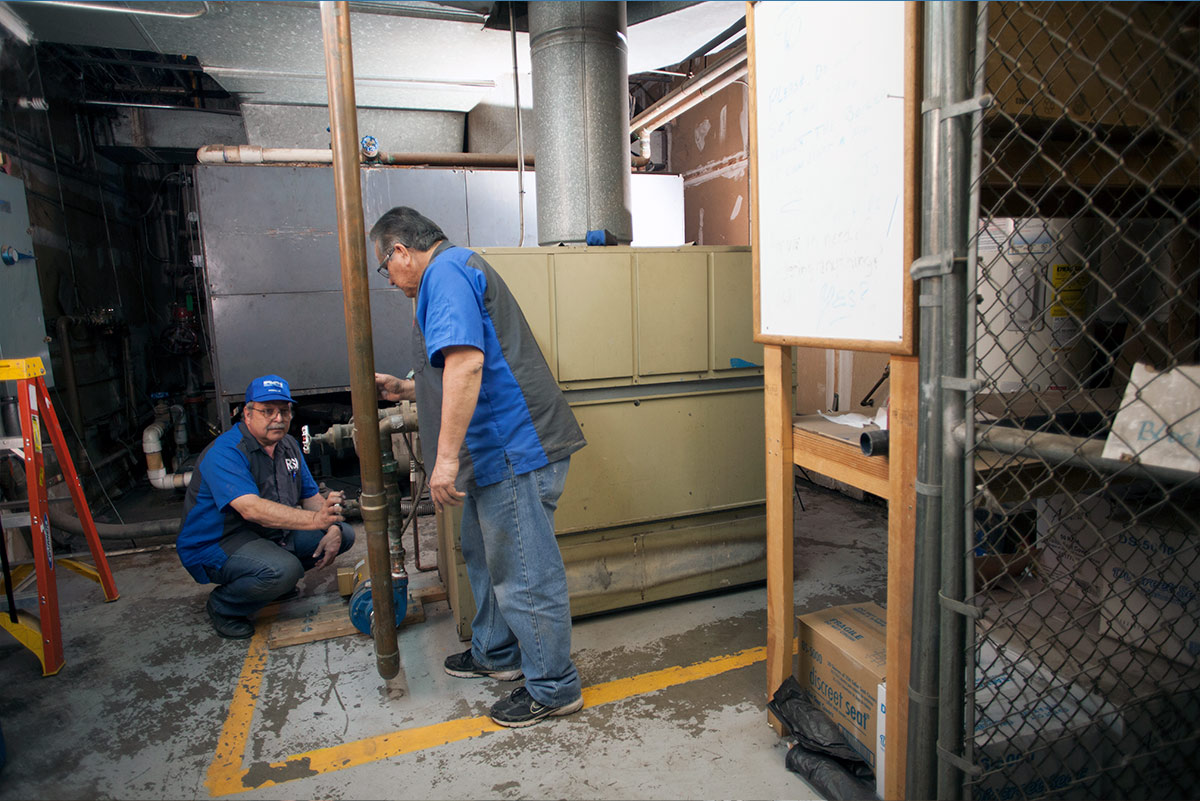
point(906, 345)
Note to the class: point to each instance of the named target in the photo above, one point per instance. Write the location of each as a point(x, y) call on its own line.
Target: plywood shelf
point(833, 450)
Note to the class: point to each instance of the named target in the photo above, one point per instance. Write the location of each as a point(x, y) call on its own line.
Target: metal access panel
point(654, 350)
point(273, 270)
point(22, 327)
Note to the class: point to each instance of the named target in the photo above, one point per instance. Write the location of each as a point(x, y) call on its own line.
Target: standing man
point(499, 437)
point(242, 529)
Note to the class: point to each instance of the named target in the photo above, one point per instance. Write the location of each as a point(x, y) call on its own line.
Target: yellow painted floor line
point(227, 776)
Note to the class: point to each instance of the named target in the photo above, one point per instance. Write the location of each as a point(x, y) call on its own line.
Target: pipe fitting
point(398, 420)
point(152, 447)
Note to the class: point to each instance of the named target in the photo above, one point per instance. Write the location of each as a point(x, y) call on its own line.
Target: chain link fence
point(1082, 499)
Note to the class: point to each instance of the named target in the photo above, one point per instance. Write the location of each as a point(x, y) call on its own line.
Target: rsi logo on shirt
point(292, 464)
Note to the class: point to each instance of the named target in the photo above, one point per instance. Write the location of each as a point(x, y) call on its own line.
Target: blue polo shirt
point(521, 417)
point(233, 465)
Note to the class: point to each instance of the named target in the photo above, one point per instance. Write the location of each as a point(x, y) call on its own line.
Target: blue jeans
point(519, 582)
point(260, 571)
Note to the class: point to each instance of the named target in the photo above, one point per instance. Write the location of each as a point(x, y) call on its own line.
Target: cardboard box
point(843, 658)
point(1155, 697)
point(1033, 72)
point(880, 738)
point(1070, 537)
point(1150, 588)
point(1037, 733)
point(1143, 573)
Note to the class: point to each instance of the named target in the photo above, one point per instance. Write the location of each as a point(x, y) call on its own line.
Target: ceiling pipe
point(362, 80)
point(707, 82)
point(139, 12)
point(253, 154)
point(394, 9)
point(163, 106)
point(347, 184)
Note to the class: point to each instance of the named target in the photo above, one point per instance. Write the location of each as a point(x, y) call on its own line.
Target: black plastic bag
point(805, 721)
point(821, 754)
point(829, 776)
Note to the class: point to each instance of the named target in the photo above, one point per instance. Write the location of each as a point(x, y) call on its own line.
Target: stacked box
point(1070, 536)
point(1151, 588)
point(843, 658)
point(1143, 573)
point(1037, 733)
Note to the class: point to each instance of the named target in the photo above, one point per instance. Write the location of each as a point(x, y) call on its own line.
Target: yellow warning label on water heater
point(1070, 290)
point(1068, 306)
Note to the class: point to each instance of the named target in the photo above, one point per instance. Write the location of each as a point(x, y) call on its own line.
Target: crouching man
point(253, 519)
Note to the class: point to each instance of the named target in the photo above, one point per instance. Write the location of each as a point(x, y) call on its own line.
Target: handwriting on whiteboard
point(829, 79)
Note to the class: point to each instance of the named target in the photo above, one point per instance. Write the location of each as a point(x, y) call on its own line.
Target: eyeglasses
point(272, 413)
point(383, 265)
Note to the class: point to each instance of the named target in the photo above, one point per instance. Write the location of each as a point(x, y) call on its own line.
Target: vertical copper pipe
point(343, 124)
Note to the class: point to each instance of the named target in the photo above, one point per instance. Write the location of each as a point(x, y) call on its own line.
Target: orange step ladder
point(43, 634)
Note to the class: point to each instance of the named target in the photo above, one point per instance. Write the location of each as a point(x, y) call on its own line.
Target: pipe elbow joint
point(161, 479)
point(152, 437)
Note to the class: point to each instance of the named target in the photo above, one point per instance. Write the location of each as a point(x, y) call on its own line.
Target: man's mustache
point(276, 427)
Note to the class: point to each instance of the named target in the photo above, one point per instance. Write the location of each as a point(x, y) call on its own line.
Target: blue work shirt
point(521, 417)
point(233, 465)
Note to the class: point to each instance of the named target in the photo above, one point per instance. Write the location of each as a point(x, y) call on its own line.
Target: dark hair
point(407, 227)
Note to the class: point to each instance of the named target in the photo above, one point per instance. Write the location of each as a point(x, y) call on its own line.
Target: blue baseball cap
point(268, 388)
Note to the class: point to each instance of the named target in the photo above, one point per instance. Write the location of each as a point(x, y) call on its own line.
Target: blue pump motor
point(361, 611)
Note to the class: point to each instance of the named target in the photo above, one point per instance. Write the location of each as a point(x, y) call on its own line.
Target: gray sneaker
point(464, 666)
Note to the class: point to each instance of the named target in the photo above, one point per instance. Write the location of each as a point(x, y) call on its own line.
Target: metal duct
point(580, 120)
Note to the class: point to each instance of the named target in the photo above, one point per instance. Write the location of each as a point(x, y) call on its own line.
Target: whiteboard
point(828, 82)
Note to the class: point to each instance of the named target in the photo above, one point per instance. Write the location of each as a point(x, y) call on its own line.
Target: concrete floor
point(152, 704)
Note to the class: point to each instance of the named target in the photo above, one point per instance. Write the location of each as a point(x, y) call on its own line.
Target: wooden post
point(902, 427)
point(777, 400)
point(902, 531)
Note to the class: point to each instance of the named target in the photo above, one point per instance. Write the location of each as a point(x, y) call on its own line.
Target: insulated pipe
point(706, 83)
point(253, 154)
point(152, 447)
point(141, 12)
point(580, 120)
point(111, 531)
point(343, 125)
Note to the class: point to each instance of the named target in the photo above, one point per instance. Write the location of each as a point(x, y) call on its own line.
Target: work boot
point(231, 628)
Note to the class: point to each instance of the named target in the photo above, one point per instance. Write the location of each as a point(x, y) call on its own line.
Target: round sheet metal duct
point(581, 120)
